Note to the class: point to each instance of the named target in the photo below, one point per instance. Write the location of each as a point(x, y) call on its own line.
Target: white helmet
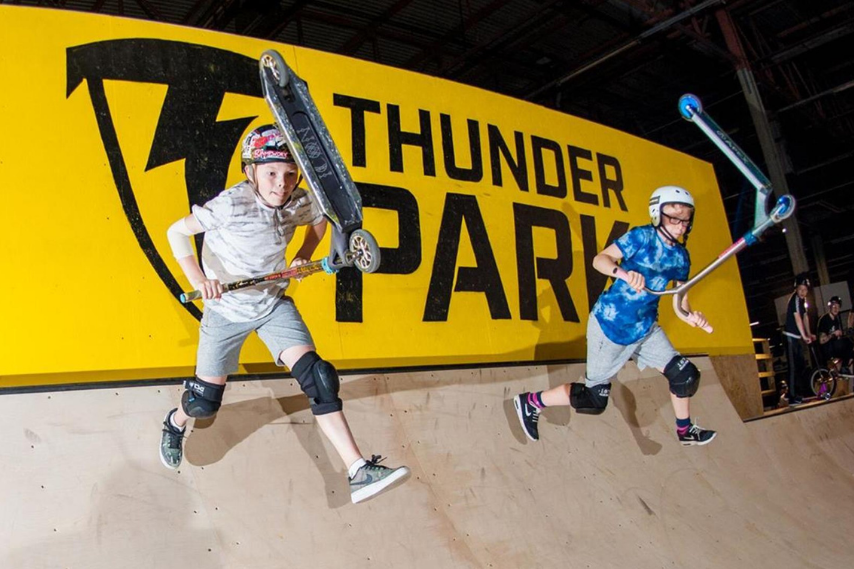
point(665, 195)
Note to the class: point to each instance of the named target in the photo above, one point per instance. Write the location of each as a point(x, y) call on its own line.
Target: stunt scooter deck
point(308, 138)
point(691, 110)
point(328, 179)
point(320, 163)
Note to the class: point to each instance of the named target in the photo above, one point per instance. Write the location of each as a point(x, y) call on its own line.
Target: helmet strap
point(249, 170)
point(667, 235)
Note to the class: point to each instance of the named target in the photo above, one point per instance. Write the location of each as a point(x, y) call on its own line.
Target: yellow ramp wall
point(488, 209)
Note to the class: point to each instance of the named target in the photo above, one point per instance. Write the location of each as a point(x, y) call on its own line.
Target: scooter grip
point(190, 296)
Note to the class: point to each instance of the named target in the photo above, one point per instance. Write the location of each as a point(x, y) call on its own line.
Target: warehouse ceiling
point(621, 63)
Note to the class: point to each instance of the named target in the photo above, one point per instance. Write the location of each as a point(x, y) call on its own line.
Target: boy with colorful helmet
point(247, 229)
point(623, 323)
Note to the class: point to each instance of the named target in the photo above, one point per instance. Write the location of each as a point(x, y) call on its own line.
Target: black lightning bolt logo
point(197, 78)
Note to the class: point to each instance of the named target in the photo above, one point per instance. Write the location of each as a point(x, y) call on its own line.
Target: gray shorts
point(605, 358)
point(220, 339)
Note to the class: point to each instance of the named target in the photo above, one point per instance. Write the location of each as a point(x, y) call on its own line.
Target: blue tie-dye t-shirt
point(625, 315)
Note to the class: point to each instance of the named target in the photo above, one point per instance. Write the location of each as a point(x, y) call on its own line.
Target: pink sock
point(536, 400)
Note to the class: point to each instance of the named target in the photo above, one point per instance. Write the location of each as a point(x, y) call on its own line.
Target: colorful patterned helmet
point(265, 144)
point(666, 195)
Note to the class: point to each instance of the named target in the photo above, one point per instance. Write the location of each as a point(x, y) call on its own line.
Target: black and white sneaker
point(697, 435)
point(528, 415)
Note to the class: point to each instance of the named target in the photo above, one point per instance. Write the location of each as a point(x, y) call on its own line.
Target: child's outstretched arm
point(810, 335)
point(313, 236)
point(694, 318)
point(179, 234)
point(802, 322)
point(606, 262)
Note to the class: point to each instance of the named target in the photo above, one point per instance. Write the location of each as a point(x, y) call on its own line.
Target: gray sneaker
point(171, 443)
point(372, 478)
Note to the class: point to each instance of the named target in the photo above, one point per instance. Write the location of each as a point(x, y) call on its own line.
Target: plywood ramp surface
point(82, 486)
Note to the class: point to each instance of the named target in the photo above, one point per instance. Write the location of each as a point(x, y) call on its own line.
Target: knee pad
point(201, 399)
point(684, 377)
point(589, 400)
point(318, 379)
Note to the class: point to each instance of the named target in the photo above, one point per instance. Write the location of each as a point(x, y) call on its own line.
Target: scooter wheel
point(366, 252)
point(273, 61)
point(784, 208)
point(689, 105)
point(823, 383)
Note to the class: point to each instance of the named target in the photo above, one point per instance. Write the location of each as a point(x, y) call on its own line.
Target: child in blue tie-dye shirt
point(623, 322)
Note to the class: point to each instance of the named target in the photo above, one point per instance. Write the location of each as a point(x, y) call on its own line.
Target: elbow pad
point(179, 239)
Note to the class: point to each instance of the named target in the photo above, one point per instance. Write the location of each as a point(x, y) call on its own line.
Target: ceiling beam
point(537, 24)
point(415, 61)
point(150, 10)
point(352, 45)
point(584, 67)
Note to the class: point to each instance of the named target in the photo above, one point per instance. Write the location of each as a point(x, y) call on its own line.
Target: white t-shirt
point(245, 238)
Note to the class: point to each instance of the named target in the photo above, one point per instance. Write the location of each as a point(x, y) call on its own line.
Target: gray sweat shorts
point(605, 358)
point(220, 339)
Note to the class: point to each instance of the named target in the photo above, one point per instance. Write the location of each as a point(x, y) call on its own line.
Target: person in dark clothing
point(834, 343)
point(797, 328)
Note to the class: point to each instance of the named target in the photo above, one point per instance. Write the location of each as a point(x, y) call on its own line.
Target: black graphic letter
point(403, 260)
point(556, 271)
point(483, 278)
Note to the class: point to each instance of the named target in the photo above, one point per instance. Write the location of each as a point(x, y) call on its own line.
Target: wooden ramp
point(82, 486)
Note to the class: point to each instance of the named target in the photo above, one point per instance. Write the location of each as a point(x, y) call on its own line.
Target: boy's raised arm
point(694, 318)
point(606, 262)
